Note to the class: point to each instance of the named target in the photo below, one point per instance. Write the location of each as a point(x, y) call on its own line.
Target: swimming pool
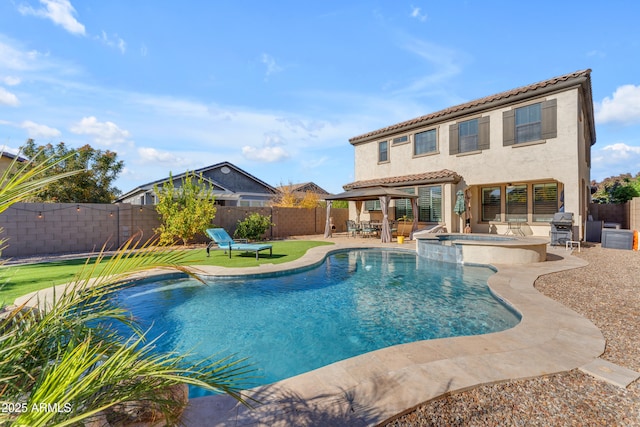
point(355, 302)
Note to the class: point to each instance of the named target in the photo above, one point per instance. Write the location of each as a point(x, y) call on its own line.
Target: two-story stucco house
point(520, 155)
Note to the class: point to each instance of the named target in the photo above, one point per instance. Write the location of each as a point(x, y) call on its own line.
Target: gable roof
point(216, 185)
point(237, 169)
point(578, 78)
point(444, 175)
point(303, 188)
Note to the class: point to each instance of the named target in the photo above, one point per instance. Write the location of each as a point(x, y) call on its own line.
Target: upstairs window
point(383, 151)
point(535, 122)
point(425, 142)
point(468, 136)
point(528, 123)
point(400, 140)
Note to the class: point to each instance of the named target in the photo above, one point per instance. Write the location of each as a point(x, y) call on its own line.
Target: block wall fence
point(58, 228)
point(626, 214)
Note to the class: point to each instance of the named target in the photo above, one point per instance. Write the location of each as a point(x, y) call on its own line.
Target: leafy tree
point(310, 200)
point(186, 210)
point(253, 227)
point(288, 198)
point(285, 198)
point(623, 193)
point(340, 204)
point(92, 184)
point(618, 189)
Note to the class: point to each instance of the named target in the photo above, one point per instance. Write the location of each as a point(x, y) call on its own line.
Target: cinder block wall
point(619, 213)
point(57, 228)
point(54, 228)
point(288, 221)
point(634, 214)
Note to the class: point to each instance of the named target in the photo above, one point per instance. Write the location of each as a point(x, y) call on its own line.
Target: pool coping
point(373, 388)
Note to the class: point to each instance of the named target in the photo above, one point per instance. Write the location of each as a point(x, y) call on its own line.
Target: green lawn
point(21, 279)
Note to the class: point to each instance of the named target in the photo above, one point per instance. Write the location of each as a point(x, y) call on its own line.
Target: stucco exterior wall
point(562, 159)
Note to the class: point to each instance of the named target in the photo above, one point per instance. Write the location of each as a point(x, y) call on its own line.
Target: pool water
point(355, 302)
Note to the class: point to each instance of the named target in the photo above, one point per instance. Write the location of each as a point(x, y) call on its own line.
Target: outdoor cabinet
point(593, 232)
point(617, 239)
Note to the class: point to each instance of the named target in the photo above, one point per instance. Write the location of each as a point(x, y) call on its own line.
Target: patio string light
point(40, 213)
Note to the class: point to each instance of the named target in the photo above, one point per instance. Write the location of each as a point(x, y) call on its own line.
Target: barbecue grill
point(561, 228)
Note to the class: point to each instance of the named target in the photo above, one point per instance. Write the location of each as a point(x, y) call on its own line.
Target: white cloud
point(8, 98)
point(106, 133)
point(621, 150)
point(623, 107)
point(270, 62)
point(16, 60)
point(444, 62)
point(60, 12)
point(115, 41)
point(272, 139)
point(416, 13)
point(265, 154)
point(148, 154)
point(614, 159)
point(315, 163)
point(35, 130)
point(306, 126)
point(596, 54)
point(271, 150)
point(11, 80)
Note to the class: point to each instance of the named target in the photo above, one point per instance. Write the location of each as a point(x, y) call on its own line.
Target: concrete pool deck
point(372, 388)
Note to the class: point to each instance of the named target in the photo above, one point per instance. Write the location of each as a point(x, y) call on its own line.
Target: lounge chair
point(434, 228)
point(221, 238)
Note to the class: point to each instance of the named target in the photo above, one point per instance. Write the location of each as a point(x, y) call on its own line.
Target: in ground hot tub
point(480, 248)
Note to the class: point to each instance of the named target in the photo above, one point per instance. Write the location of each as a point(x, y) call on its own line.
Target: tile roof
point(503, 96)
point(444, 175)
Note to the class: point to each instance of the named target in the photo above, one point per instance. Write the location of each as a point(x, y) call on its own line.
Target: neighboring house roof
point(218, 187)
point(303, 188)
point(444, 175)
point(578, 78)
point(13, 156)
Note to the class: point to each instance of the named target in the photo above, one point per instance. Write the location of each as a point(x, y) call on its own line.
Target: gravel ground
point(607, 292)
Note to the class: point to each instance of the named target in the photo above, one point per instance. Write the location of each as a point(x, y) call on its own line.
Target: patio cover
point(384, 194)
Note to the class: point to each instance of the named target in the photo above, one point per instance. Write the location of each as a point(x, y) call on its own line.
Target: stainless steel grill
point(561, 228)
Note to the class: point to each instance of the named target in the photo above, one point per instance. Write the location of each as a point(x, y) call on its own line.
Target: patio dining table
point(514, 226)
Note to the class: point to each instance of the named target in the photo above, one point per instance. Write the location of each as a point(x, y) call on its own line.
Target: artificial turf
point(17, 280)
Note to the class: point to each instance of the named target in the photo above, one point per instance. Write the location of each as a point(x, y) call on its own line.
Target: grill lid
point(562, 218)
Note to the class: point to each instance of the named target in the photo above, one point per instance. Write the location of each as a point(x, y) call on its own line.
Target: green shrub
point(253, 227)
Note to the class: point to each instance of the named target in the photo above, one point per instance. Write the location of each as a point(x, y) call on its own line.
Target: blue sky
point(278, 88)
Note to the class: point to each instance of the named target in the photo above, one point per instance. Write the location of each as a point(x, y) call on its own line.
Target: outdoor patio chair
point(221, 238)
point(368, 229)
point(352, 228)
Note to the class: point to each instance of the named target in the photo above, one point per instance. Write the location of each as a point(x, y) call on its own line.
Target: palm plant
point(62, 364)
